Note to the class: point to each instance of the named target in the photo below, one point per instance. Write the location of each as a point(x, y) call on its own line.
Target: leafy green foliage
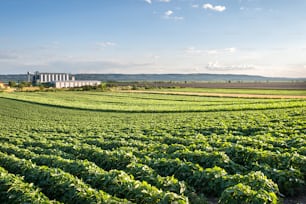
point(144, 148)
point(243, 194)
point(13, 189)
point(55, 183)
point(115, 182)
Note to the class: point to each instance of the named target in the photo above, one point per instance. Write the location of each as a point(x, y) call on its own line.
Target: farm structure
point(59, 80)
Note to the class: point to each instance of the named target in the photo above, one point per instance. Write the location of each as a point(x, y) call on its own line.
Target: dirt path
point(218, 94)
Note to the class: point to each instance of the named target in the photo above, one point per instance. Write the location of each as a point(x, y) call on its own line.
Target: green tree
point(24, 84)
point(103, 86)
point(12, 84)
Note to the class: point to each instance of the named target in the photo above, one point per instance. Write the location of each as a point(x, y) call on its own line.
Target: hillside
point(162, 77)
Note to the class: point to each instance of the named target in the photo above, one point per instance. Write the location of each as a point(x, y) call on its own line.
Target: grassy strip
point(238, 91)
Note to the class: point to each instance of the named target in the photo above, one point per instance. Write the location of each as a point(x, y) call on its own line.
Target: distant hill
point(181, 77)
point(13, 77)
point(164, 77)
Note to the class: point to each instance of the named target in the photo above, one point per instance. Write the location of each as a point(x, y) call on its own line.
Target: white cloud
point(216, 66)
point(212, 52)
point(222, 51)
point(77, 64)
point(154, 57)
point(7, 56)
point(230, 50)
point(150, 1)
point(258, 9)
point(168, 13)
point(195, 5)
point(214, 8)
point(195, 51)
point(105, 44)
point(178, 18)
point(50, 46)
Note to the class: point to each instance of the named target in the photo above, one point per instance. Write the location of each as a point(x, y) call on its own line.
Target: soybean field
point(110, 147)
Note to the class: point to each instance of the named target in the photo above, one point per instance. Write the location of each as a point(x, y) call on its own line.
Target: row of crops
point(89, 147)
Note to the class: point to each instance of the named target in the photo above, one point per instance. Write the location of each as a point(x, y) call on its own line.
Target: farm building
point(59, 80)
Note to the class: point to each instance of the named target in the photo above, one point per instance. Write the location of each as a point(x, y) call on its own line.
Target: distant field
point(147, 102)
point(222, 85)
point(110, 147)
point(239, 91)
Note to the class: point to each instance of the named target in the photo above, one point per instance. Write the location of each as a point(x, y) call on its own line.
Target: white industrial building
point(59, 80)
point(76, 83)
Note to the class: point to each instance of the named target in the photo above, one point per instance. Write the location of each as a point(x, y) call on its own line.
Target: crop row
point(55, 183)
point(125, 102)
point(13, 189)
point(210, 181)
point(139, 171)
point(162, 150)
point(288, 179)
point(114, 182)
point(192, 173)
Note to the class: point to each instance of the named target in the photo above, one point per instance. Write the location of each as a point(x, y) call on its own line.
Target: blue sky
point(258, 37)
